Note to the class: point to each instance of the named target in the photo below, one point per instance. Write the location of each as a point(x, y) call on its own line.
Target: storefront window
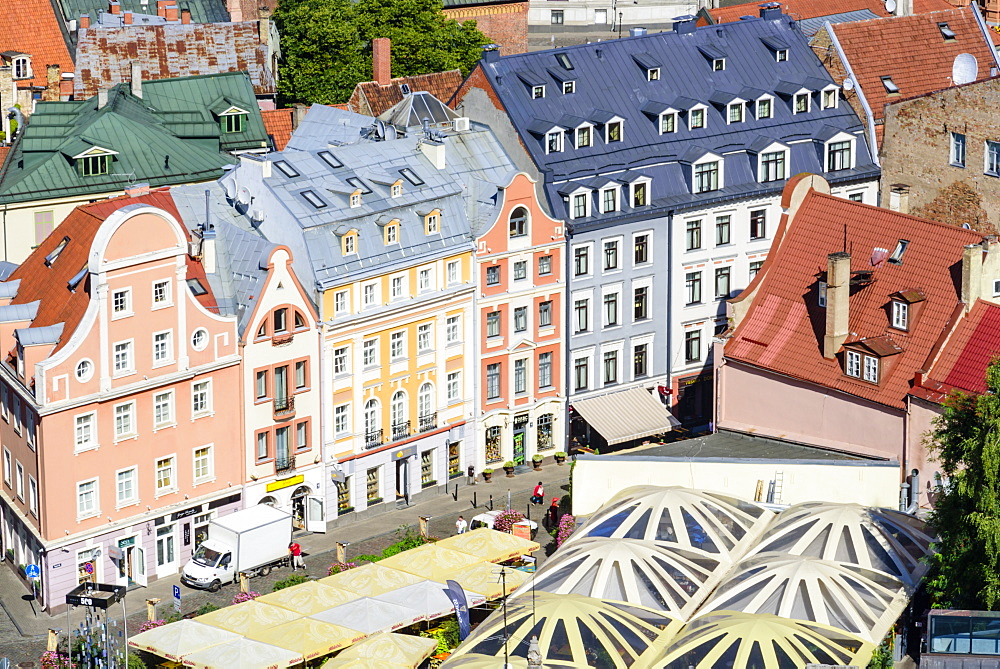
point(344, 496)
point(372, 487)
point(86, 566)
point(544, 432)
point(454, 465)
point(427, 468)
point(201, 528)
point(493, 444)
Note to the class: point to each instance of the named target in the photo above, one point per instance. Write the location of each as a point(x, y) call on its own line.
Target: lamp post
point(506, 637)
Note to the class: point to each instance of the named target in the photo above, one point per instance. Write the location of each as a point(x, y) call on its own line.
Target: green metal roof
point(168, 137)
point(202, 11)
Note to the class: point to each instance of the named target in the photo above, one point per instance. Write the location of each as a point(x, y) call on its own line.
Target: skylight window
point(537, 92)
point(330, 159)
point(718, 64)
point(890, 86)
point(411, 176)
point(52, 257)
point(564, 60)
point(77, 278)
point(946, 32)
point(313, 199)
point(897, 254)
point(569, 87)
point(286, 169)
point(359, 184)
point(197, 288)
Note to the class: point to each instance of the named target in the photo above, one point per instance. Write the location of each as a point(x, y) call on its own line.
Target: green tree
point(326, 44)
point(966, 442)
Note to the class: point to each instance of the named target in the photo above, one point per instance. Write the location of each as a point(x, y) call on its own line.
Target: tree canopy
point(326, 44)
point(966, 441)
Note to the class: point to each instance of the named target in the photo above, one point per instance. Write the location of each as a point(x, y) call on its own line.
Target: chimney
point(136, 78)
point(904, 8)
point(264, 25)
point(172, 13)
point(838, 295)
point(185, 16)
point(972, 274)
point(208, 243)
point(53, 79)
point(127, 18)
point(116, 7)
point(381, 61)
point(434, 151)
point(137, 190)
point(491, 52)
point(102, 97)
point(161, 7)
point(899, 198)
point(84, 21)
point(299, 112)
point(684, 24)
point(770, 11)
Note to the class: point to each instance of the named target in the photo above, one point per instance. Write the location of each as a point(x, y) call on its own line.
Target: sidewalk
point(365, 537)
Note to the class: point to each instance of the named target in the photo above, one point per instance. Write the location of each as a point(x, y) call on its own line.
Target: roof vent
point(965, 69)
point(684, 24)
point(770, 10)
point(890, 86)
point(405, 89)
point(636, 32)
point(897, 254)
point(52, 257)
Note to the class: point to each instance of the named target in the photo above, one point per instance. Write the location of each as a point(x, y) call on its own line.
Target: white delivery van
point(487, 519)
point(253, 541)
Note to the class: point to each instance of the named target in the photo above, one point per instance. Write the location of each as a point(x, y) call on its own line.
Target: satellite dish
point(243, 195)
point(379, 129)
point(390, 132)
point(890, 6)
point(848, 84)
point(965, 69)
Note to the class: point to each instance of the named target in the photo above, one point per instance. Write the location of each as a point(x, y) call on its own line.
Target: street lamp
point(506, 637)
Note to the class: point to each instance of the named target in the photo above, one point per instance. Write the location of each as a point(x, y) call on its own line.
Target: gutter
point(858, 91)
point(986, 35)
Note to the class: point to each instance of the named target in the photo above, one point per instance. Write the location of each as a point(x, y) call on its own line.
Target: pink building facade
point(116, 437)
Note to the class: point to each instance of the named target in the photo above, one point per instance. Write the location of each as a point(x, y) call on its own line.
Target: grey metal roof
point(611, 81)
point(48, 334)
point(324, 126)
point(8, 289)
point(810, 27)
point(11, 313)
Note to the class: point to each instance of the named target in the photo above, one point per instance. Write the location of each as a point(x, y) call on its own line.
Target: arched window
point(397, 410)
point(519, 222)
point(371, 416)
point(425, 400)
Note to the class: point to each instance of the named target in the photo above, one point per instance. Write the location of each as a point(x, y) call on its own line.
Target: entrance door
point(520, 430)
point(138, 566)
point(315, 514)
point(166, 550)
point(403, 480)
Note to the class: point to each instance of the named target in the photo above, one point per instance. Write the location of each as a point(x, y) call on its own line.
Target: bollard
point(528, 509)
point(475, 505)
point(244, 582)
point(491, 502)
point(151, 608)
point(53, 642)
point(455, 494)
point(342, 551)
point(423, 525)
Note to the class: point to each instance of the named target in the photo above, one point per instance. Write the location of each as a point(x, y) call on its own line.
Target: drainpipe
point(670, 309)
point(857, 89)
point(567, 314)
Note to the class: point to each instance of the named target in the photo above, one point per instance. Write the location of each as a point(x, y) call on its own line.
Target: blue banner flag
point(456, 594)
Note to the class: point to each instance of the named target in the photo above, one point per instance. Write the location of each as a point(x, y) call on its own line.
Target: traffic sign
point(177, 598)
point(32, 571)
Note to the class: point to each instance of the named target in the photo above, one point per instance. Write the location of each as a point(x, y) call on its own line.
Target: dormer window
point(21, 66)
point(829, 98)
point(706, 177)
point(583, 137)
point(613, 132)
point(554, 141)
point(569, 87)
point(609, 200)
point(653, 74)
point(900, 315)
point(537, 92)
point(801, 103)
point(392, 233)
point(349, 243)
point(890, 86)
point(771, 166)
point(668, 122)
point(861, 366)
point(581, 204)
point(696, 118)
point(764, 108)
point(233, 123)
point(718, 64)
point(397, 189)
point(94, 165)
point(231, 118)
point(781, 55)
point(947, 33)
point(736, 112)
point(640, 193)
point(432, 223)
point(840, 152)
point(356, 199)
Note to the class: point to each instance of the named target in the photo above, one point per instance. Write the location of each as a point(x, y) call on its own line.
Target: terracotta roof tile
point(32, 27)
point(784, 327)
point(814, 9)
point(278, 123)
point(912, 51)
point(441, 85)
point(962, 363)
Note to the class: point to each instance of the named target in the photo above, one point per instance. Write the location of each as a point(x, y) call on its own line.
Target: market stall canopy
point(309, 637)
point(573, 631)
point(655, 575)
point(490, 545)
point(705, 522)
point(372, 615)
point(371, 580)
point(430, 561)
point(429, 598)
point(389, 650)
point(482, 577)
point(175, 640)
point(843, 595)
point(243, 653)
point(755, 641)
point(309, 597)
point(626, 415)
point(881, 539)
point(248, 618)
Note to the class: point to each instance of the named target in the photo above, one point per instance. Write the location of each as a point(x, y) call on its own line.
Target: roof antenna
point(208, 215)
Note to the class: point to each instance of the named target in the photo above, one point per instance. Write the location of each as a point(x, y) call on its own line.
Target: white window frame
point(370, 346)
point(8, 467)
point(736, 105)
point(128, 409)
point(615, 204)
point(167, 300)
point(871, 369)
point(91, 442)
point(20, 67)
point(454, 272)
point(355, 201)
point(837, 139)
point(454, 387)
point(829, 91)
point(704, 117)
point(397, 287)
point(19, 479)
point(121, 502)
point(569, 87)
point(342, 419)
point(559, 145)
point(669, 113)
point(373, 294)
point(795, 102)
point(171, 409)
point(772, 150)
point(989, 147)
point(425, 338)
point(163, 341)
point(852, 364)
point(128, 350)
point(397, 346)
point(708, 159)
point(209, 461)
point(956, 140)
point(341, 360)
point(33, 495)
point(425, 279)
point(590, 135)
point(770, 107)
point(341, 302)
point(900, 315)
point(95, 509)
point(574, 197)
point(207, 391)
point(172, 487)
point(126, 310)
point(453, 329)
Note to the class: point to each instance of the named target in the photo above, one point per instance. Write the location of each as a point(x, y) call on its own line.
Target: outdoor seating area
point(357, 609)
point(679, 578)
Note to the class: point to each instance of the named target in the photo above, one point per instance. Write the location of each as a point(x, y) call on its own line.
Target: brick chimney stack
point(116, 7)
point(136, 77)
point(185, 16)
point(838, 301)
point(127, 18)
point(53, 77)
point(381, 61)
point(264, 25)
point(84, 21)
point(172, 13)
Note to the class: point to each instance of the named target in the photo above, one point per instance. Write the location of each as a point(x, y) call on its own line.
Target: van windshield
point(206, 556)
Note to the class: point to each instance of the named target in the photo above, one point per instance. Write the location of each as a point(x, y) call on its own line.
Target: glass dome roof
point(760, 641)
point(655, 575)
point(842, 595)
point(572, 631)
point(705, 522)
point(881, 539)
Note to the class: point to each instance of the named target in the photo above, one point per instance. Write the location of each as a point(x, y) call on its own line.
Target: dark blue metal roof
point(612, 82)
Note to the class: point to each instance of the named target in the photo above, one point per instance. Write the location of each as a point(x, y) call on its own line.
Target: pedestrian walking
point(538, 496)
point(461, 525)
point(296, 552)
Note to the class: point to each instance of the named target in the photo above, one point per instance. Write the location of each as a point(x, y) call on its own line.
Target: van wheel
point(216, 586)
point(265, 570)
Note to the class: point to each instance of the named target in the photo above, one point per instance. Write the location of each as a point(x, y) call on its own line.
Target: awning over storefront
point(626, 415)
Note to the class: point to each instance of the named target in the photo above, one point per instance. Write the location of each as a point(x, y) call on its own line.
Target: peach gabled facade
point(522, 283)
point(121, 367)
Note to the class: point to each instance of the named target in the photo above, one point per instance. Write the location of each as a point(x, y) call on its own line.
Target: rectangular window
point(451, 330)
point(454, 268)
point(301, 375)
point(7, 467)
point(372, 486)
point(493, 324)
point(121, 302)
point(801, 103)
point(957, 149)
point(234, 122)
point(33, 495)
point(640, 360)
point(424, 340)
point(545, 314)
point(853, 364)
point(696, 119)
point(261, 384)
point(94, 165)
point(554, 139)
point(453, 387)
point(86, 435)
point(127, 491)
point(722, 282)
point(736, 112)
point(201, 398)
point(493, 381)
point(772, 166)
point(610, 367)
point(280, 318)
point(668, 123)
point(302, 435)
point(341, 419)
point(641, 251)
point(44, 223)
point(764, 108)
point(493, 275)
point(340, 302)
point(370, 352)
point(161, 293)
point(427, 468)
point(544, 265)
point(544, 370)
point(693, 235)
point(871, 369)
point(397, 345)
point(520, 270)
point(583, 137)
point(368, 295)
point(425, 280)
point(722, 230)
point(900, 315)
point(20, 481)
point(396, 288)
point(581, 261)
point(758, 224)
point(639, 194)
point(839, 156)
point(580, 373)
point(609, 200)
point(580, 205)
point(86, 499)
point(124, 420)
point(340, 360)
point(581, 309)
point(611, 309)
point(993, 158)
point(263, 447)
point(706, 177)
point(640, 309)
point(829, 99)
point(692, 346)
point(165, 477)
point(610, 255)
point(203, 465)
point(614, 130)
point(123, 358)
point(163, 409)
point(520, 376)
point(520, 319)
point(556, 17)
point(755, 267)
point(162, 347)
point(692, 281)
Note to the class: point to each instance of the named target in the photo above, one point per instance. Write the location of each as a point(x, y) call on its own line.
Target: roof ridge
point(953, 228)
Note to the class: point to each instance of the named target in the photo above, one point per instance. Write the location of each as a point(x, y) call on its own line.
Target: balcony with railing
point(428, 421)
point(373, 439)
point(284, 463)
point(400, 430)
point(284, 407)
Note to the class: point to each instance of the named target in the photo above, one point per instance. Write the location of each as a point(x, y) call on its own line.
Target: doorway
point(520, 433)
point(132, 564)
point(403, 480)
point(299, 506)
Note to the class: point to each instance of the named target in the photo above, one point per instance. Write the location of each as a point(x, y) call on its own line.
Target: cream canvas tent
point(248, 618)
point(490, 545)
point(429, 598)
point(371, 580)
point(386, 650)
point(482, 577)
point(372, 615)
point(309, 598)
point(175, 640)
point(309, 637)
point(242, 653)
point(430, 561)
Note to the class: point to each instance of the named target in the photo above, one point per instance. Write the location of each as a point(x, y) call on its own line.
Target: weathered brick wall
point(824, 49)
point(916, 152)
point(506, 24)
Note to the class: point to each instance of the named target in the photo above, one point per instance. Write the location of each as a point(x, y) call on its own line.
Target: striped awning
point(626, 415)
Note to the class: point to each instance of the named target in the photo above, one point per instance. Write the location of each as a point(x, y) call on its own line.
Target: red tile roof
point(49, 284)
point(784, 327)
point(32, 27)
point(912, 51)
point(962, 363)
point(278, 123)
point(813, 9)
point(441, 85)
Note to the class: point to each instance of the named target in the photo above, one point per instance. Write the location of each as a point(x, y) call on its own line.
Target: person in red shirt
point(538, 496)
point(296, 552)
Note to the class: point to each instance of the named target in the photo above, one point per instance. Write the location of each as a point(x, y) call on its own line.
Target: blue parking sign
point(177, 598)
